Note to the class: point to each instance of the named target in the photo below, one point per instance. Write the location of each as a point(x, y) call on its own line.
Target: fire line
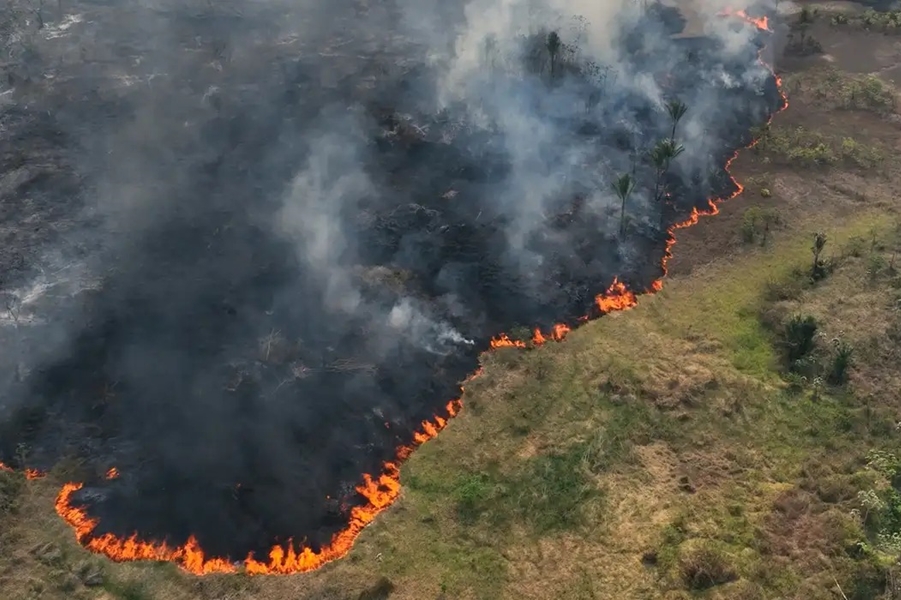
point(380, 491)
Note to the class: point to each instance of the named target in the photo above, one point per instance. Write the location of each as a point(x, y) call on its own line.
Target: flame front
point(761, 23)
point(381, 491)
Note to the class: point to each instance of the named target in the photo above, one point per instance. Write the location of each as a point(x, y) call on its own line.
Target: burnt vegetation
point(265, 278)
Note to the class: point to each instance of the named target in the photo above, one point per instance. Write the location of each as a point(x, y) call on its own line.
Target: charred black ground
point(247, 285)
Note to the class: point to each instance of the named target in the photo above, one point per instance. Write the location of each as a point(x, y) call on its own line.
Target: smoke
point(272, 237)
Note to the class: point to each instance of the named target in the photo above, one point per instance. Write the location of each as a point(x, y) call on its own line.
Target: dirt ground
point(695, 480)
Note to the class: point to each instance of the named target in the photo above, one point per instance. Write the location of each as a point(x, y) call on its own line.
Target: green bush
point(472, 494)
point(798, 338)
point(757, 222)
point(841, 361)
point(11, 485)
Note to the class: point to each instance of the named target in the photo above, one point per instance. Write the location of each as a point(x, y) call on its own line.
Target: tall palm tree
point(623, 188)
point(553, 49)
point(662, 155)
point(676, 110)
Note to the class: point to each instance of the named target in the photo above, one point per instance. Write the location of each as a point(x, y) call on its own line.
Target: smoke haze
point(251, 246)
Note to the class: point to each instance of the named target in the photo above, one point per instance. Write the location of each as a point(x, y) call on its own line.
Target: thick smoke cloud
point(272, 237)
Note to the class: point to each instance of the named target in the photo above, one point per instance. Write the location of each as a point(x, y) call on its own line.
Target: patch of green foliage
point(879, 507)
point(757, 222)
point(803, 147)
point(798, 338)
point(546, 492)
point(11, 485)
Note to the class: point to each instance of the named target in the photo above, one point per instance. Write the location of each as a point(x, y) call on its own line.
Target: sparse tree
point(553, 49)
point(819, 242)
point(676, 110)
point(490, 51)
point(662, 155)
point(623, 188)
point(13, 306)
point(39, 14)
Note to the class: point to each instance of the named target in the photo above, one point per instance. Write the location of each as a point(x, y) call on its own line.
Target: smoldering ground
point(256, 244)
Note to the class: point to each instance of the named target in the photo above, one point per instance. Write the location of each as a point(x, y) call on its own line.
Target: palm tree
point(676, 110)
point(553, 49)
point(623, 188)
point(661, 156)
point(819, 242)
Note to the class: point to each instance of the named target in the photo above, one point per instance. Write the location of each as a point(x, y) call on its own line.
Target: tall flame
point(379, 491)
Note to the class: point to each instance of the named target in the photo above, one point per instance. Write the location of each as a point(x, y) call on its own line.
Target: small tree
point(841, 361)
point(623, 188)
point(662, 154)
point(553, 49)
point(819, 242)
point(798, 338)
point(676, 110)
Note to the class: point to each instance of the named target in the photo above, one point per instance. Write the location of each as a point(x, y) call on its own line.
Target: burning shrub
point(705, 566)
point(798, 338)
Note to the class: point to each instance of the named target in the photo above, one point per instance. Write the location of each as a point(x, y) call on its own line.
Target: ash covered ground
point(247, 247)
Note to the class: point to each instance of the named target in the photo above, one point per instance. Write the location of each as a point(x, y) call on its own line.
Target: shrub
point(798, 337)
point(10, 487)
point(876, 265)
point(758, 221)
point(472, 494)
point(381, 590)
point(841, 361)
point(787, 288)
point(704, 566)
point(521, 333)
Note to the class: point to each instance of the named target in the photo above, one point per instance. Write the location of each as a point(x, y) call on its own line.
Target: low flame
point(761, 23)
point(113, 473)
point(381, 491)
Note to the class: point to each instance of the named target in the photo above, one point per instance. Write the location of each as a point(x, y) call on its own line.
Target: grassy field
point(734, 436)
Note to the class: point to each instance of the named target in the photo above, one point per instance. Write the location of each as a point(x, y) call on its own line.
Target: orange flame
point(380, 492)
point(617, 297)
point(113, 473)
point(761, 23)
point(30, 474)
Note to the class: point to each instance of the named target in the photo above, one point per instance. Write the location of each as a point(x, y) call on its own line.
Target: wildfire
point(761, 23)
point(29, 473)
point(379, 491)
point(556, 334)
point(617, 297)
